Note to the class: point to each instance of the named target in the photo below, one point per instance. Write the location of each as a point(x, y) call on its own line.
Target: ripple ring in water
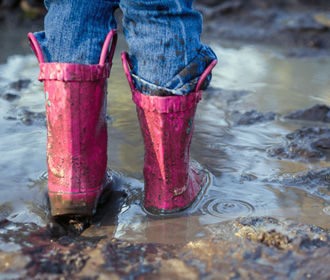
point(231, 208)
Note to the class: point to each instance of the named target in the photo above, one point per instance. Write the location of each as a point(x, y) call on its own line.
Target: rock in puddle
point(10, 97)
point(315, 181)
point(305, 143)
point(285, 235)
point(12, 90)
point(318, 112)
point(20, 84)
point(26, 116)
point(252, 117)
point(290, 23)
point(265, 248)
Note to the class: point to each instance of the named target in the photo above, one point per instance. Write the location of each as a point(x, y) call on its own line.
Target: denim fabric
point(75, 30)
point(163, 38)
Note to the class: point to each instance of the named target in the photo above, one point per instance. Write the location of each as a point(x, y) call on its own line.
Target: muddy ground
point(224, 237)
point(247, 248)
point(253, 247)
point(302, 26)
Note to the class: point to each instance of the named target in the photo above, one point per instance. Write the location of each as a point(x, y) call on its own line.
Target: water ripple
point(227, 208)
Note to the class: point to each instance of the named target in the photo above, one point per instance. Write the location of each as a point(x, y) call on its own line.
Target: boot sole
point(80, 204)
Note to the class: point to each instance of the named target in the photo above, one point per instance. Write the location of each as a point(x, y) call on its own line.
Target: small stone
point(10, 96)
point(20, 84)
point(318, 112)
point(252, 117)
point(305, 143)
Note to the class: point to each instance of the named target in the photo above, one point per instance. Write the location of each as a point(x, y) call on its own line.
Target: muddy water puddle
point(241, 138)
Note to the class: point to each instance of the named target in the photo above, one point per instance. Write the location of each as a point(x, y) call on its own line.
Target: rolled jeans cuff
point(182, 83)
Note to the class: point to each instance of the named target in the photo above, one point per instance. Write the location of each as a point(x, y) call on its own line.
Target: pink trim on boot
point(171, 183)
point(75, 99)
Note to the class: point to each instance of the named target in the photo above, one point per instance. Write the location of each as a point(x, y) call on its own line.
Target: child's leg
point(74, 68)
point(75, 30)
point(167, 58)
point(164, 42)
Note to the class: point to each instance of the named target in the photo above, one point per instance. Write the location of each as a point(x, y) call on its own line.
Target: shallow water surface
point(244, 180)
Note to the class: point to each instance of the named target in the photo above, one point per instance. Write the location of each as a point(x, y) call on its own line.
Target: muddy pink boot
point(171, 182)
point(76, 130)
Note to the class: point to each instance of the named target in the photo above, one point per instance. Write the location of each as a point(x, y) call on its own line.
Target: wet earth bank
point(247, 248)
point(290, 23)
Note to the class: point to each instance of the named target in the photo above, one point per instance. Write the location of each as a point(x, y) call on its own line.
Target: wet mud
point(246, 248)
point(26, 116)
point(316, 182)
point(225, 233)
point(12, 92)
point(305, 143)
point(250, 240)
point(264, 213)
point(252, 117)
point(302, 24)
point(316, 113)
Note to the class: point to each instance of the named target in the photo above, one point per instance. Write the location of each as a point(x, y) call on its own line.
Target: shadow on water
point(246, 179)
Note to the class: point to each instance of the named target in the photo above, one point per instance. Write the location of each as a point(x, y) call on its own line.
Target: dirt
point(305, 143)
point(292, 23)
point(26, 116)
point(316, 182)
point(248, 248)
point(245, 248)
point(318, 112)
point(315, 178)
point(252, 117)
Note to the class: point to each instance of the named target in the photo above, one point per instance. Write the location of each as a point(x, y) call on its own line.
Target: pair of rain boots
point(77, 137)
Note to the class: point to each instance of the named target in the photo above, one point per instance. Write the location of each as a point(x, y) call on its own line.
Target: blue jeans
point(163, 37)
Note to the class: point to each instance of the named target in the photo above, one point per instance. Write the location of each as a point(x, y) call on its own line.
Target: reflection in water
point(236, 156)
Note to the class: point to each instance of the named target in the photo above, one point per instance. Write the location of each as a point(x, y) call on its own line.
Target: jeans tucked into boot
point(163, 38)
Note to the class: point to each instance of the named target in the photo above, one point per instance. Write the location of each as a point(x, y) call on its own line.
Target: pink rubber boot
point(76, 130)
point(171, 182)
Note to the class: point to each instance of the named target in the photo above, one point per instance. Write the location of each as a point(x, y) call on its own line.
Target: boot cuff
point(166, 104)
point(73, 72)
